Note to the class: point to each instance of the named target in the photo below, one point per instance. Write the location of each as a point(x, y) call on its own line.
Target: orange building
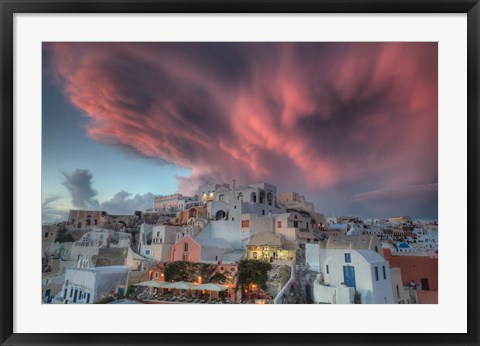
point(422, 269)
point(185, 215)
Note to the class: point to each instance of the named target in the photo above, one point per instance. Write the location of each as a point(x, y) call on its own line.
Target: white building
point(401, 295)
point(226, 204)
point(88, 285)
point(145, 239)
point(427, 239)
point(174, 202)
point(362, 271)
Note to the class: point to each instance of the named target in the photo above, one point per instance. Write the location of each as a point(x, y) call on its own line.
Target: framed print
point(239, 172)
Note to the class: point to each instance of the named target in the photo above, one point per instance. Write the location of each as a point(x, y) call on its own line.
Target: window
point(185, 258)
point(155, 275)
point(46, 234)
point(384, 273)
point(348, 258)
point(88, 298)
point(245, 223)
point(147, 252)
point(295, 224)
point(376, 248)
point(398, 291)
point(328, 269)
point(233, 219)
point(279, 224)
point(263, 211)
point(185, 247)
point(254, 255)
point(376, 273)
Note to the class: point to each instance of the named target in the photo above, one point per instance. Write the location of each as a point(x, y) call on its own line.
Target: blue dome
point(403, 245)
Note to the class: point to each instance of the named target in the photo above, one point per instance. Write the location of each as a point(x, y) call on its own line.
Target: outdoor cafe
point(181, 292)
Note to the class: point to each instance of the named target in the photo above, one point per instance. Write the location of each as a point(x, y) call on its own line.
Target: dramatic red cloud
point(347, 117)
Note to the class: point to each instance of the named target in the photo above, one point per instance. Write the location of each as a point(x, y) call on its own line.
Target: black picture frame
point(10, 7)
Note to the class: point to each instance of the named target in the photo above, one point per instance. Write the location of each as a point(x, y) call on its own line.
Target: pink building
point(207, 250)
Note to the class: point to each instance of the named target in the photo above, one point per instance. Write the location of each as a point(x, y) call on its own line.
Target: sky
point(352, 126)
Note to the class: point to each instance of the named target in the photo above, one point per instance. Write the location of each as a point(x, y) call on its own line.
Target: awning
point(212, 287)
point(153, 283)
point(182, 285)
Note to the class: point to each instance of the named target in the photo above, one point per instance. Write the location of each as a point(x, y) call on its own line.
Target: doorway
point(349, 276)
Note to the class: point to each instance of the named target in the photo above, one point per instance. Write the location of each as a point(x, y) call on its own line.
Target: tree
point(188, 271)
point(130, 290)
point(176, 271)
point(252, 272)
point(219, 278)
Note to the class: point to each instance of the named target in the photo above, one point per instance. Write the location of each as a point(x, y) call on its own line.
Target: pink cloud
point(324, 114)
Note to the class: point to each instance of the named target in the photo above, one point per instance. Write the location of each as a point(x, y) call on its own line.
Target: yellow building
point(270, 247)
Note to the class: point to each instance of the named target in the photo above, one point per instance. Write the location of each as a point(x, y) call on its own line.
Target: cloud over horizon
point(79, 185)
point(323, 119)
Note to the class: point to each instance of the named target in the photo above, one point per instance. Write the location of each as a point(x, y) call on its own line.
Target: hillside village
point(245, 244)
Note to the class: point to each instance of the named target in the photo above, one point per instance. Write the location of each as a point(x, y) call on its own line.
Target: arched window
point(220, 215)
point(253, 197)
point(192, 213)
point(269, 198)
point(262, 197)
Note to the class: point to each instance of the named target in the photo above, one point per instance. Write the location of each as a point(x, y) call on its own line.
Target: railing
point(278, 298)
point(412, 294)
